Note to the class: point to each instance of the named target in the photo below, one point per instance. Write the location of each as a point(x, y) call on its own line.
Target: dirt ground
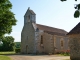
point(38, 57)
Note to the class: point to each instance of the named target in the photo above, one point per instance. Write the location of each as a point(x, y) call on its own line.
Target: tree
point(77, 12)
point(7, 18)
point(8, 44)
point(17, 44)
point(66, 0)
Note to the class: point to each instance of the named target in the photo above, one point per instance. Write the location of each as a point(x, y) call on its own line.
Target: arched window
point(54, 41)
point(41, 39)
point(68, 44)
point(62, 43)
point(37, 30)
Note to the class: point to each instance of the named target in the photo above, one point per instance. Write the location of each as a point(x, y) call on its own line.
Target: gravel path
point(38, 57)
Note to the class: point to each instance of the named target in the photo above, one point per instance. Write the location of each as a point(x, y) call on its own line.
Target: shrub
point(17, 50)
point(65, 53)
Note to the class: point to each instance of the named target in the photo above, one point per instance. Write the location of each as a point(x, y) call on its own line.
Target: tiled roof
point(51, 30)
point(32, 12)
point(75, 30)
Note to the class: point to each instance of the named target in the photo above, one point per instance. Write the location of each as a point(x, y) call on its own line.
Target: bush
point(66, 53)
point(17, 50)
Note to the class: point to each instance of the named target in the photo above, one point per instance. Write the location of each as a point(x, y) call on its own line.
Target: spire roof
point(32, 12)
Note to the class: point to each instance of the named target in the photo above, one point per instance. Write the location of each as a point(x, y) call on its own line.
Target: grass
point(4, 53)
point(2, 57)
point(64, 54)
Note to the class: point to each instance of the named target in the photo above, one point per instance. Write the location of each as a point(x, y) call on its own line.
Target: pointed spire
point(28, 8)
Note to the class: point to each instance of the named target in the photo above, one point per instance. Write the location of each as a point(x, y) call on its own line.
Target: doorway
point(26, 48)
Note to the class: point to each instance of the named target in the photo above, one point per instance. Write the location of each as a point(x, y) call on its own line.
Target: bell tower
point(29, 16)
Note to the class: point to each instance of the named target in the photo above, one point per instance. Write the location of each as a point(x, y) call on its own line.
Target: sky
point(52, 13)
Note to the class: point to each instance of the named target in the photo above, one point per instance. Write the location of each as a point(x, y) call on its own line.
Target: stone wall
point(48, 43)
point(52, 43)
point(27, 38)
point(39, 48)
point(57, 43)
point(74, 45)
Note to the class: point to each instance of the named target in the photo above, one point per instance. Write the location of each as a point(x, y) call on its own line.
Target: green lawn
point(2, 57)
point(7, 53)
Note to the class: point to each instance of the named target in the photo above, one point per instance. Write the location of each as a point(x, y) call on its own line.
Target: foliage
point(18, 44)
point(7, 18)
point(1, 43)
point(76, 14)
point(63, 0)
point(2, 57)
point(77, 7)
point(64, 52)
point(66, 0)
point(8, 44)
point(17, 50)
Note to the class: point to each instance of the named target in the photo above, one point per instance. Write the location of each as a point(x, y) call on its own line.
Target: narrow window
point(61, 43)
point(41, 39)
point(54, 41)
point(68, 44)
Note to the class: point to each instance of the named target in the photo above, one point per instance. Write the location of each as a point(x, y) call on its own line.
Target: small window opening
point(41, 39)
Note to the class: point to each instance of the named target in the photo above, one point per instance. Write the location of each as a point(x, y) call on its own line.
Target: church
point(37, 38)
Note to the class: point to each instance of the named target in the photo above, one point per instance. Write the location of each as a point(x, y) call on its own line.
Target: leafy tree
point(7, 18)
point(66, 0)
point(17, 44)
point(8, 43)
point(77, 7)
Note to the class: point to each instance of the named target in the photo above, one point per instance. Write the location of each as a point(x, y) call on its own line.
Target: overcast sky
point(52, 13)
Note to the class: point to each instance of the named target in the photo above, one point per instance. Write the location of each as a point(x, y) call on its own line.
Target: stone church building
point(37, 38)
